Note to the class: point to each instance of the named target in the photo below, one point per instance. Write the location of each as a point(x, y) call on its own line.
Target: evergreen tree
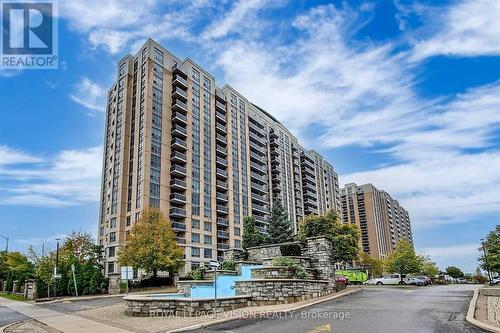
point(279, 228)
point(251, 236)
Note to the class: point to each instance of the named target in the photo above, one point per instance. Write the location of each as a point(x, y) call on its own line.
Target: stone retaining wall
point(258, 253)
point(184, 287)
point(279, 291)
point(276, 272)
point(145, 306)
point(304, 261)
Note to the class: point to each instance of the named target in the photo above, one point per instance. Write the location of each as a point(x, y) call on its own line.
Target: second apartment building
point(204, 155)
point(382, 220)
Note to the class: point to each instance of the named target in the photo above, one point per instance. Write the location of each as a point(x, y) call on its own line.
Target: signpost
point(216, 265)
point(74, 279)
point(125, 273)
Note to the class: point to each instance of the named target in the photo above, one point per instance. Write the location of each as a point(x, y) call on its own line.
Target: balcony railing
point(179, 118)
point(178, 156)
point(178, 80)
point(177, 212)
point(178, 143)
point(178, 226)
point(221, 138)
point(177, 198)
point(179, 105)
point(178, 183)
point(222, 234)
point(179, 93)
point(222, 221)
point(178, 170)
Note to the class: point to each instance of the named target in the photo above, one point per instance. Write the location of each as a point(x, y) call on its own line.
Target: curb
point(225, 320)
point(470, 316)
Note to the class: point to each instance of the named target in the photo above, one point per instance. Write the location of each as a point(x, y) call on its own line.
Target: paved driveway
point(376, 309)
point(8, 316)
point(74, 306)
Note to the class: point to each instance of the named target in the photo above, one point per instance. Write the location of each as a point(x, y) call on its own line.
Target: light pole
point(7, 242)
point(486, 260)
point(56, 276)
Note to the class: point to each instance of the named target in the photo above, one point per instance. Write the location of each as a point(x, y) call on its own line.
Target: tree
point(279, 228)
point(429, 268)
point(454, 272)
point(251, 236)
point(152, 245)
point(403, 259)
point(344, 237)
point(492, 247)
point(374, 265)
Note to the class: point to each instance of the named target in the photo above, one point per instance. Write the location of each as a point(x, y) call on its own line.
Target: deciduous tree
point(454, 272)
point(403, 259)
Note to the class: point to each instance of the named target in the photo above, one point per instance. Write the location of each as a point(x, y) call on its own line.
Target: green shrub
point(299, 270)
point(229, 265)
point(291, 250)
point(198, 273)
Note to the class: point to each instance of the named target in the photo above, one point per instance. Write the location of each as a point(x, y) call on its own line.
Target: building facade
point(382, 220)
point(205, 156)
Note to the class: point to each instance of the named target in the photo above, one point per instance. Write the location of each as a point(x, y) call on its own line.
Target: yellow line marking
point(321, 328)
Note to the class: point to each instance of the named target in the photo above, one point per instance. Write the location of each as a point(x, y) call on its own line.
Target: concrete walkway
point(60, 321)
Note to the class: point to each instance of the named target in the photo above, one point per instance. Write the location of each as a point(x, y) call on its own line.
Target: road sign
point(214, 263)
point(127, 272)
point(56, 276)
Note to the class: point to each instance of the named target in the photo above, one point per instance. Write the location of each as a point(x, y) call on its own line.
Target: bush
point(299, 270)
point(198, 273)
point(151, 282)
point(293, 250)
point(229, 265)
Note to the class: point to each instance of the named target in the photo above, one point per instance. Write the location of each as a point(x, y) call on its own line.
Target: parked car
point(390, 279)
point(496, 280)
point(418, 281)
point(426, 280)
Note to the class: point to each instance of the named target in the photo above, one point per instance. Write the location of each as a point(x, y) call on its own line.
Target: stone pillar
point(114, 284)
point(14, 286)
point(234, 254)
point(175, 280)
point(30, 289)
point(319, 249)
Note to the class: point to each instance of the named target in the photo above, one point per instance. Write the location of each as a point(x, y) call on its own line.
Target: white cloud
point(468, 28)
point(14, 156)
point(463, 256)
point(234, 19)
point(89, 94)
point(70, 177)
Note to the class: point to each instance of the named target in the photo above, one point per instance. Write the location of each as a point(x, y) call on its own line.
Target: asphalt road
point(8, 316)
point(80, 305)
point(375, 309)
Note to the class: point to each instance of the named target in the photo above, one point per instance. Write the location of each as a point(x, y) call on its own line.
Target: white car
point(495, 280)
point(390, 279)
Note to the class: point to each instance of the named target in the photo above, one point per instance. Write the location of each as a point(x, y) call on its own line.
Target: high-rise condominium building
point(204, 155)
point(382, 220)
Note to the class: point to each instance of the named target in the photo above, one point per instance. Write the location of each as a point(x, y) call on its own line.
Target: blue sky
point(403, 94)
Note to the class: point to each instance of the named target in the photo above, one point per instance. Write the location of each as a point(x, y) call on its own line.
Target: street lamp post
point(486, 260)
point(56, 276)
point(7, 242)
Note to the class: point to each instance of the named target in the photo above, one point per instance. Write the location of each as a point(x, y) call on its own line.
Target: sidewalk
point(484, 311)
point(60, 321)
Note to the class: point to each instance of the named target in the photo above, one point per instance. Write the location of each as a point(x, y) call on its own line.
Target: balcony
point(222, 246)
point(178, 105)
point(177, 226)
point(177, 198)
point(275, 160)
point(260, 219)
point(177, 212)
point(178, 70)
point(179, 144)
point(222, 210)
point(273, 135)
point(221, 185)
point(222, 222)
point(176, 183)
point(178, 93)
point(259, 178)
point(221, 173)
point(221, 150)
point(179, 131)
point(178, 170)
point(262, 198)
point(222, 197)
point(261, 169)
point(221, 139)
point(221, 128)
point(179, 118)
point(179, 81)
point(259, 188)
point(264, 209)
point(256, 129)
point(177, 156)
point(221, 161)
point(220, 96)
point(180, 240)
point(221, 117)
point(222, 234)
point(220, 106)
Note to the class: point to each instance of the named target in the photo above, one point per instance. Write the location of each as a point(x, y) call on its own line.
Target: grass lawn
point(12, 297)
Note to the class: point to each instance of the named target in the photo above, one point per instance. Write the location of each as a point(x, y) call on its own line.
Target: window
point(207, 253)
point(112, 224)
point(237, 231)
point(111, 252)
point(207, 226)
point(195, 238)
point(128, 221)
point(111, 267)
point(196, 224)
point(195, 252)
point(237, 243)
point(112, 236)
point(207, 240)
point(194, 265)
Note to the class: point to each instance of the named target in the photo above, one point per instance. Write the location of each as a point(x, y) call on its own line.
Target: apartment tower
point(381, 219)
point(205, 156)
